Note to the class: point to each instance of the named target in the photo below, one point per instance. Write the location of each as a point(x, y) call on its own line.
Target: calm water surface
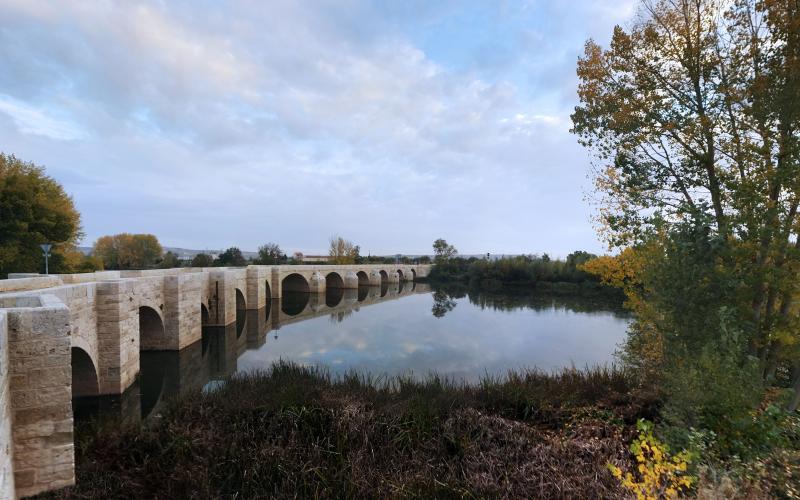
point(462, 337)
point(393, 330)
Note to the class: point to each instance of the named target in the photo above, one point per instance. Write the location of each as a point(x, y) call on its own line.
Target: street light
point(46, 251)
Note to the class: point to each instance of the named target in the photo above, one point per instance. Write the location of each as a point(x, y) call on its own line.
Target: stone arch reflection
point(152, 375)
point(333, 296)
point(293, 303)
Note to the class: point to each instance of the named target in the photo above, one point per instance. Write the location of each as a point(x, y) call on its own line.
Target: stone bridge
point(73, 335)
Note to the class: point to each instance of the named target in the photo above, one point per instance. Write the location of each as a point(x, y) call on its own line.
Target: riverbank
point(525, 274)
point(297, 432)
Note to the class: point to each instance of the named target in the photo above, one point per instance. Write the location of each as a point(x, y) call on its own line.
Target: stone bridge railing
point(91, 328)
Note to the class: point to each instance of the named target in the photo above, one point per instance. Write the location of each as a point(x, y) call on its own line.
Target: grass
point(298, 432)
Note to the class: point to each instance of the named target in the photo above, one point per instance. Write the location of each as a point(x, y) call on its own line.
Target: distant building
point(316, 258)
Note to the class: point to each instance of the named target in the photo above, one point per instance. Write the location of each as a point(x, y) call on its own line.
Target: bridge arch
point(363, 278)
point(295, 282)
point(84, 374)
point(401, 275)
point(205, 318)
point(413, 275)
point(241, 312)
point(267, 292)
point(151, 329)
point(384, 277)
point(333, 280)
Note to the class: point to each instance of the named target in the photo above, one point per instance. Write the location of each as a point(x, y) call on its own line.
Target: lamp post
point(46, 251)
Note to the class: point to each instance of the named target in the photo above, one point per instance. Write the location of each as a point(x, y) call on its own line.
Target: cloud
point(30, 120)
point(237, 123)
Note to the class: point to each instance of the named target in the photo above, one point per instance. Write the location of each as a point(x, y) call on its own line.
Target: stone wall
point(29, 283)
point(117, 335)
point(182, 299)
point(40, 394)
point(6, 443)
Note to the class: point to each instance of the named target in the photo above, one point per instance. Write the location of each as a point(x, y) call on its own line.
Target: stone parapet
point(39, 386)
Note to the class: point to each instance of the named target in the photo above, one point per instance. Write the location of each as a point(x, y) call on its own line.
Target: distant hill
point(184, 253)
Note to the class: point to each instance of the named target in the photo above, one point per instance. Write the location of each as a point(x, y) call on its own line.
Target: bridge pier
point(317, 283)
point(351, 280)
point(375, 278)
point(36, 400)
point(117, 336)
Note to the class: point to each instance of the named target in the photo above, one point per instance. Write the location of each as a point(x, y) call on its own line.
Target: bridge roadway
point(73, 335)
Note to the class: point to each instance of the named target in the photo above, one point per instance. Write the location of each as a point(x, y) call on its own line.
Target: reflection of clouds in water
point(402, 336)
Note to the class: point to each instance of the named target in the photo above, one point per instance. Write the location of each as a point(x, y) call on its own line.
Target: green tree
point(128, 251)
point(169, 261)
point(692, 118)
point(269, 253)
point(202, 260)
point(231, 257)
point(442, 251)
point(87, 264)
point(34, 209)
point(342, 251)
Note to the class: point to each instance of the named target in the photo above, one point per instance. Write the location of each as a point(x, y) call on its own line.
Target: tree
point(202, 260)
point(87, 264)
point(692, 117)
point(442, 251)
point(128, 251)
point(269, 253)
point(169, 261)
point(34, 209)
point(231, 257)
point(343, 251)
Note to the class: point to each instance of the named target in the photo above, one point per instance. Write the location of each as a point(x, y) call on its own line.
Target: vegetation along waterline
point(297, 432)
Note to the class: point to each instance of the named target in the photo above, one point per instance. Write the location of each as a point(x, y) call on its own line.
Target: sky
point(391, 123)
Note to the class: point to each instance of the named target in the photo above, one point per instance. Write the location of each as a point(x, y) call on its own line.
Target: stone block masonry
point(7, 489)
point(39, 402)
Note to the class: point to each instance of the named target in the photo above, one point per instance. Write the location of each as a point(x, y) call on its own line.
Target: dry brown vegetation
point(296, 432)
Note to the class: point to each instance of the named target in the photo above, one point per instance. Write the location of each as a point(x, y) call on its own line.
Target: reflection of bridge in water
point(166, 374)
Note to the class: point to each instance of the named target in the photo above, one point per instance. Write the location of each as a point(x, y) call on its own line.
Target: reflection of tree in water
point(339, 316)
point(538, 300)
point(442, 303)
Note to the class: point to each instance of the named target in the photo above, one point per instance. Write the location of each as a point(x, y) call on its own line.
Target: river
point(406, 329)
